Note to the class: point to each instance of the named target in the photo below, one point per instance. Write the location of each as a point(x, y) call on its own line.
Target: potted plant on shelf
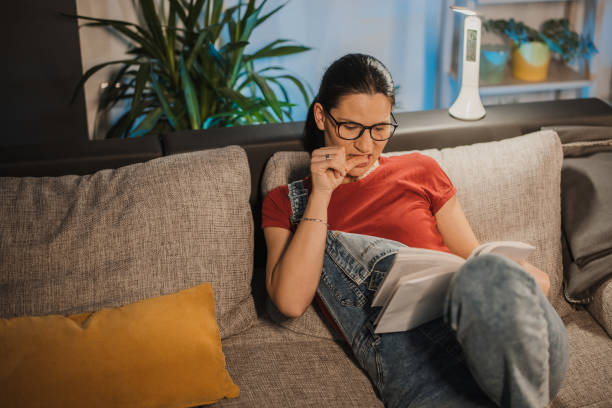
point(532, 49)
point(189, 69)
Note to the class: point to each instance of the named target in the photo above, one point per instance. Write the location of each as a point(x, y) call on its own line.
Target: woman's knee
point(495, 291)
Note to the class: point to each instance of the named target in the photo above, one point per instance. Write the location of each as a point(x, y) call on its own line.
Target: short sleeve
point(276, 209)
point(438, 185)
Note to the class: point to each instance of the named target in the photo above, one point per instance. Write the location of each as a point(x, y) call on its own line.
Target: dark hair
point(351, 74)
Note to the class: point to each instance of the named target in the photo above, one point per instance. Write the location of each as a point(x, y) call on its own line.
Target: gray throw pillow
point(587, 222)
point(75, 244)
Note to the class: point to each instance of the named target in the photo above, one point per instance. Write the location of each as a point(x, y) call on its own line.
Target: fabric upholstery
point(587, 382)
point(275, 367)
point(587, 223)
point(509, 190)
point(600, 306)
point(159, 352)
point(75, 244)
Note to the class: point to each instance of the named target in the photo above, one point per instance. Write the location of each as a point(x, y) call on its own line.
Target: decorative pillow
point(76, 244)
point(159, 352)
point(587, 223)
point(509, 190)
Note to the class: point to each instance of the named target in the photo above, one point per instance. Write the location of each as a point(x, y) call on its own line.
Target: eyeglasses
point(353, 130)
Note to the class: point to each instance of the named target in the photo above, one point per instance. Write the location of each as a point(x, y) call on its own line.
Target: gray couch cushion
point(587, 223)
point(601, 305)
point(75, 244)
point(587, 382)
point(509, 190)
point(275, 367)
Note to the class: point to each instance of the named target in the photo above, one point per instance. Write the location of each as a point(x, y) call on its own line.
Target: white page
point(409, 261)
point(417, 277)
point(517, 251)
point(415, 301)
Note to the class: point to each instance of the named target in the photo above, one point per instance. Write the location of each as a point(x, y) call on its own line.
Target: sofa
point(115, 229)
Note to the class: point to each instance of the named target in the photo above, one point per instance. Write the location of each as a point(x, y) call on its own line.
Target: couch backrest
point(417, 130)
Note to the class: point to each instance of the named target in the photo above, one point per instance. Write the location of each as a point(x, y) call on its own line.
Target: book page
point(416, 300)
point(409, 261)
point(517, 251)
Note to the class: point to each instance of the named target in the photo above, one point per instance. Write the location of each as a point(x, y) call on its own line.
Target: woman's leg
point(422, 367)
point(514, 342)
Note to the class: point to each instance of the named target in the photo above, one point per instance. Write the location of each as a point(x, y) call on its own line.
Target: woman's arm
point(294, 262)
point(459, 237)
point(455, 229)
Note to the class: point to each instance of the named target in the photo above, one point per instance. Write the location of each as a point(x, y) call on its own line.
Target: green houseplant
point(189, 69)
point(532, 48)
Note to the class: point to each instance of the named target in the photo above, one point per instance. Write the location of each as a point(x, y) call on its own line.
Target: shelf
point(563, 80)
point(560, 77)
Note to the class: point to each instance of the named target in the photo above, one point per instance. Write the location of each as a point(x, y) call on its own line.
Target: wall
point(99, 45)
point(405, 35)
point(40, 69)
point(402, 34)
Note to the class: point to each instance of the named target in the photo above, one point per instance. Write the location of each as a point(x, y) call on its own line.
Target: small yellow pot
point(530, 61)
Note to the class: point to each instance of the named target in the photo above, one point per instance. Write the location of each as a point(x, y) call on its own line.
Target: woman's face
point(362, 108)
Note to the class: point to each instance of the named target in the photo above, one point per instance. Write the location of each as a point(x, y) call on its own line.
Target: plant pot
point(530, 61)
point(493, 59)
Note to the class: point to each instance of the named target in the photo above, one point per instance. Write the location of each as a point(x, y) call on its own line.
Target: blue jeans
point(500, 342)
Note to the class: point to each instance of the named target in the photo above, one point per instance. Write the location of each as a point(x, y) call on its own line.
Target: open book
point(413, 291)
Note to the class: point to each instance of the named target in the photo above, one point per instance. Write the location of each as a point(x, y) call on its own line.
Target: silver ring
point(326, 156)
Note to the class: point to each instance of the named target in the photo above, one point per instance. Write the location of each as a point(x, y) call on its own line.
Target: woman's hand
point(329, 167)
point(541, 277)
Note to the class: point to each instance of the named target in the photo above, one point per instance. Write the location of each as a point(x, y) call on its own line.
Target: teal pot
point(493, 60)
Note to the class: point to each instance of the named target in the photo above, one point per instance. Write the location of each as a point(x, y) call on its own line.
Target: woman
point(499, 342)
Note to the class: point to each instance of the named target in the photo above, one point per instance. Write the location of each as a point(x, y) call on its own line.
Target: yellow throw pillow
point(159, 352)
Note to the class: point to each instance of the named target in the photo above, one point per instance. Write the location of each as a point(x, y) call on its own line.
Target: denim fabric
point(500, 342)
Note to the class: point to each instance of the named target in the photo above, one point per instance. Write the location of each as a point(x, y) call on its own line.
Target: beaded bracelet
point(314, 219)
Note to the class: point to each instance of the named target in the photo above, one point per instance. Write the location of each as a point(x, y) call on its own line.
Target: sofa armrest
point(601, 306)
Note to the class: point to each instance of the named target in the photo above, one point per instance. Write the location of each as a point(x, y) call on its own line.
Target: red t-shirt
point(397, 201)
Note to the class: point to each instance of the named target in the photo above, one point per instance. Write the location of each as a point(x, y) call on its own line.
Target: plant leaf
point(196, 48)
point(152, 21)
point(268, 94)
point(237, 97)
point(193, 108)
point(232, 46)
point(118, 129)
point(277, 52)
point(267, 16)
point(141, 80)
point(164, 103)
point(250, 20)
point(193, 12)
point(299, 85)
point(148, 123)
point(140, 39)
point(171, 37)
point(180, 12)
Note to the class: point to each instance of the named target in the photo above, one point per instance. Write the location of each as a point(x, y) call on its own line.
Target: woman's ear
point(319, 115)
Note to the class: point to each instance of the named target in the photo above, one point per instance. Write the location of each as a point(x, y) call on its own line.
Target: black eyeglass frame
point(363, 127)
